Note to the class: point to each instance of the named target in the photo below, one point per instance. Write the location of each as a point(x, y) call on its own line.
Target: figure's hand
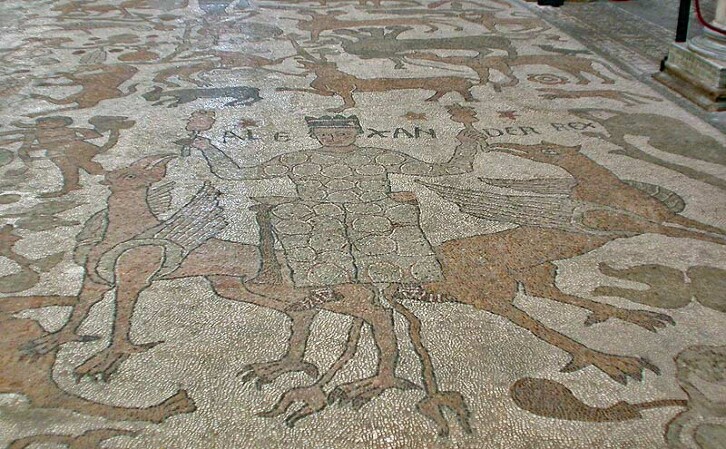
point(470, 136)
point(202, 143)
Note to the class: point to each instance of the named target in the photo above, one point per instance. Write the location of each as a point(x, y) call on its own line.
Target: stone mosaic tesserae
point(347, 224)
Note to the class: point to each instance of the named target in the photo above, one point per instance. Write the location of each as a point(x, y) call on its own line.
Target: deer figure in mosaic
point(330, 81)
point(329, 21)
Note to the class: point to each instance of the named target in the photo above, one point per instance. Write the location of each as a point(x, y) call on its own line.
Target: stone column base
point(696, 77)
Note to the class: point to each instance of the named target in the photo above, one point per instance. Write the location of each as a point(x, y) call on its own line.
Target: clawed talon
point(313, 397)
point(49, 343)
point(433, 405)
point(267, 372)
point(651, 321)
point(617, 367)
point(107, 362)
point(361, 392)
point(177, 404)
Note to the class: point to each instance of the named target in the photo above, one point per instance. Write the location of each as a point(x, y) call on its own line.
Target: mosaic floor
point(349, 224)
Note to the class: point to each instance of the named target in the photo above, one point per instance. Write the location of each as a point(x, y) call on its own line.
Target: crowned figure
point(346, 225)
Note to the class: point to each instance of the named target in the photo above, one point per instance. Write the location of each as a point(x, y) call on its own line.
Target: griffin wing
point(196, 222)
point(94, 229)
point(159, 198)
point(544, 211)
point(92, 234)
point(544, 186)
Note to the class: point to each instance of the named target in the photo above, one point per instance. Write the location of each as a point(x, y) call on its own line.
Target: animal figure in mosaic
point(458, 5)
point(329, 21)
point(220, 8)
point(626, 98)
point(669, 288)
point(598, 208)
point(242, 95)
point(551, 399)
point(127, 255)
point(87, 10)
point(595, 184)
point(482, 65)
point(90, 27)
point(701, 421)
point(30, 269)
point(225, 60)
point(330, 81)
point(328, 2)
point(97, 82)
point(238, 28)
point(132, 195)
point(376, 43)
point(83, 9)
point(664, 133)
point(67, 146)
point(700, 370)
point(490, 21)
point(163, 5)
point(39, 217)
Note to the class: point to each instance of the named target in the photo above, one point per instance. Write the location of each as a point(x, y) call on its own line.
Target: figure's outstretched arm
point(470, 141)
point(223, 167)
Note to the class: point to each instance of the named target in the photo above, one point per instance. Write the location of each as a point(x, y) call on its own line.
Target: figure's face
point(201, 121)
point(335, 137)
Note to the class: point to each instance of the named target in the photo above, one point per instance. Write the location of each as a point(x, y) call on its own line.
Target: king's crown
point(335, 121)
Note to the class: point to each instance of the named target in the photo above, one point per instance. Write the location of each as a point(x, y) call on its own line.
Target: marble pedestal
point(699, 78)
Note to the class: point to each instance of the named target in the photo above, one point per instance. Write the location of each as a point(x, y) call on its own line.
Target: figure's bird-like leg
point(432, 406)
point(359, 301)
point(313, 396)
point(293, 360)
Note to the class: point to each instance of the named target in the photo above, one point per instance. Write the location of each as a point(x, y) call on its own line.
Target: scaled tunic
point(344, 227)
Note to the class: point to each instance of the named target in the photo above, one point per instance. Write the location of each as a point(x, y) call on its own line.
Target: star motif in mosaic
point(247, 123)
point(414, 116)
point(511, 115)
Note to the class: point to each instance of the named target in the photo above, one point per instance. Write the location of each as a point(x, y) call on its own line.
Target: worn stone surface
point(350, 224)
point(637, 36)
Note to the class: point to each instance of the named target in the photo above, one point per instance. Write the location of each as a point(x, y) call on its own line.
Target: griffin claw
point(617, 367)
point(433, 405)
